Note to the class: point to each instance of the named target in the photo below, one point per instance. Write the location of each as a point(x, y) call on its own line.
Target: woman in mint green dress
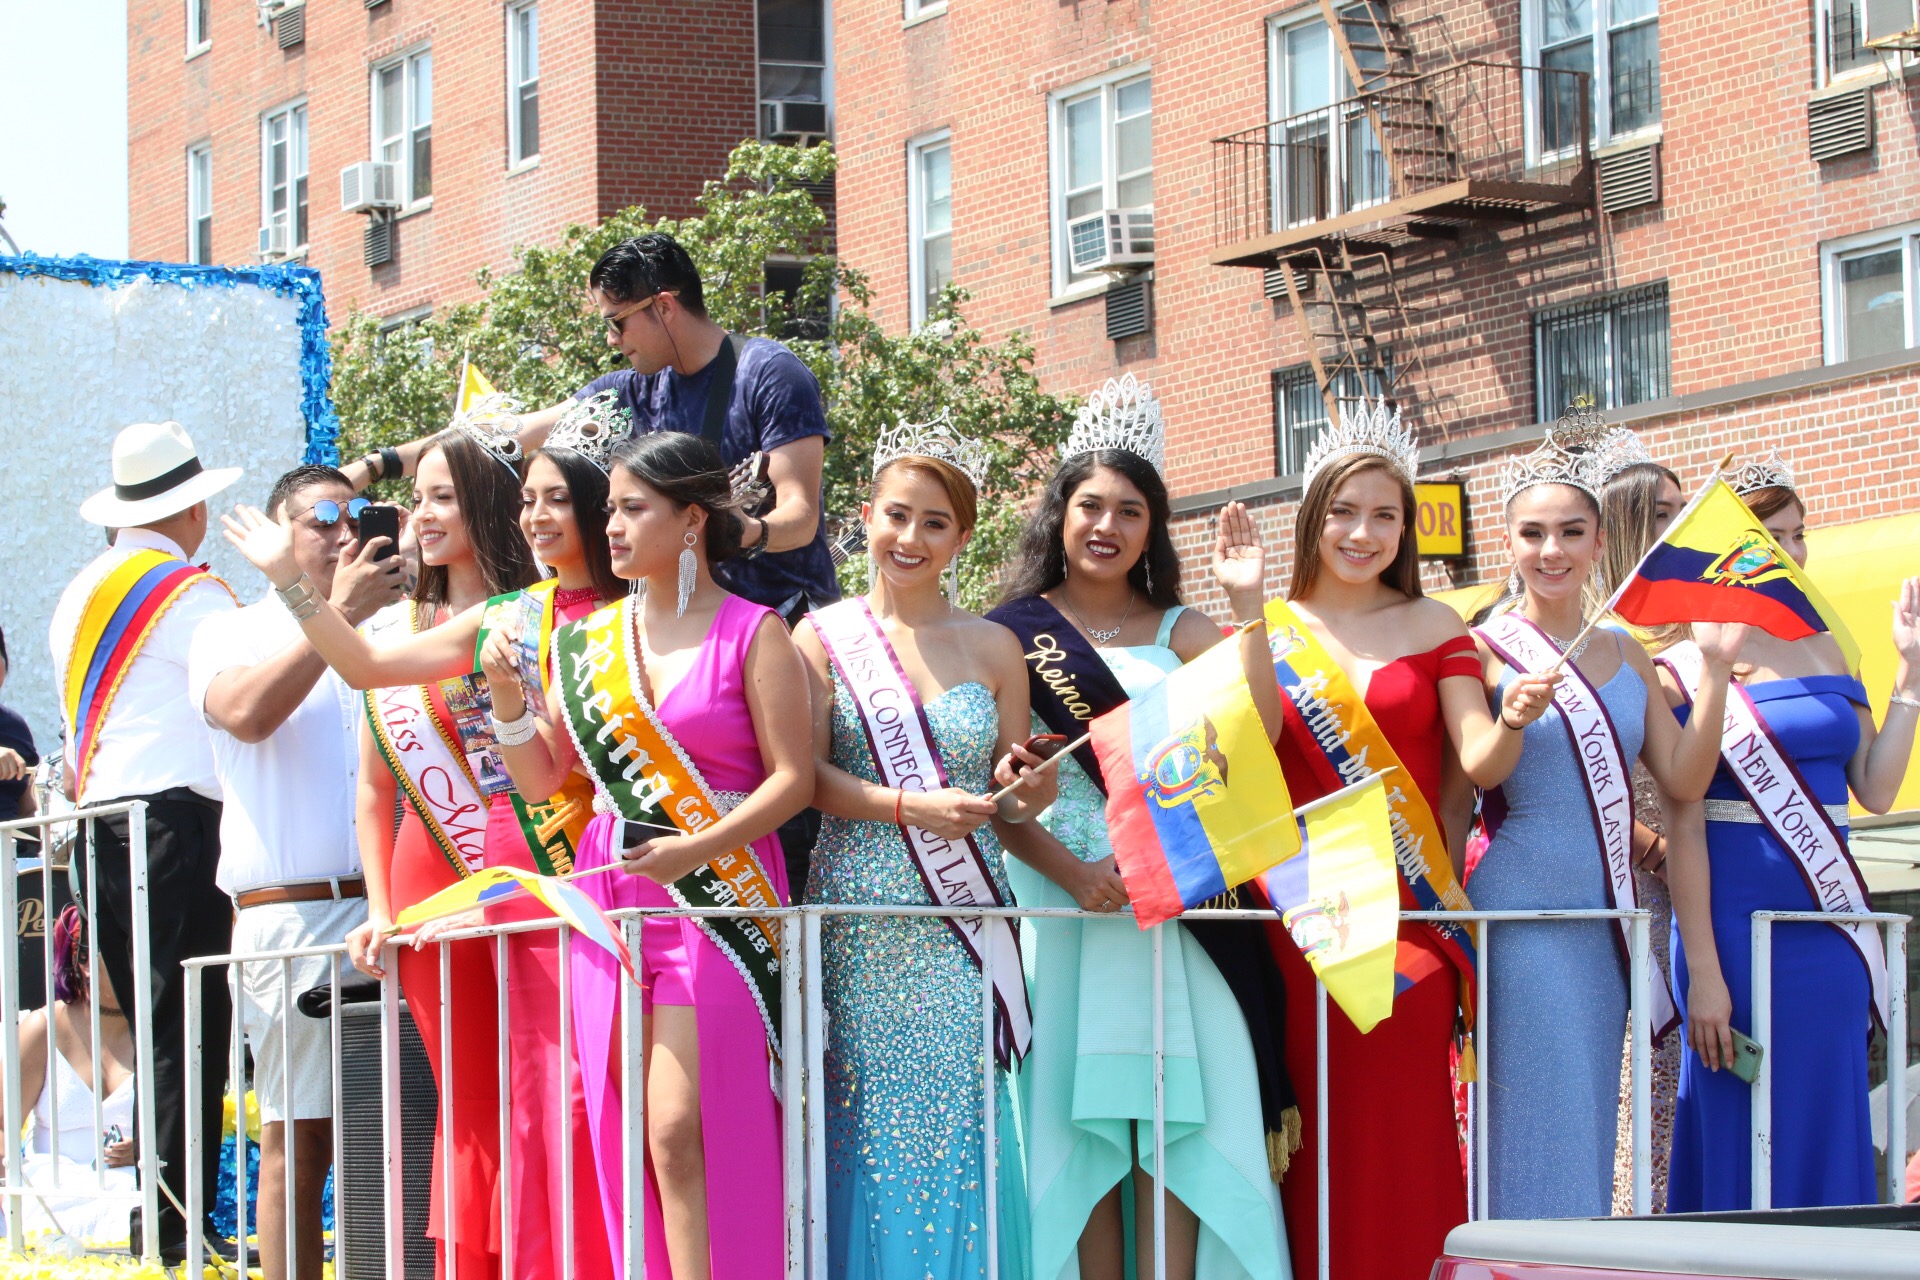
point(1096, 597)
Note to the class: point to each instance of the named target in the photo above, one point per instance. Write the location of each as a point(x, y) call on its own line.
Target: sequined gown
point(906, 1171)
point(1557, 992)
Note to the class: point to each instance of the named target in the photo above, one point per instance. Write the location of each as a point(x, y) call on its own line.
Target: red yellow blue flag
point(1718, 563)
point(1196, 803)
point(491, 885)
point(1339, 899)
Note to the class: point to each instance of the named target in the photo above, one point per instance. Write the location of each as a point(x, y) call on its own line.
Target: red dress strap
point(1457, 657)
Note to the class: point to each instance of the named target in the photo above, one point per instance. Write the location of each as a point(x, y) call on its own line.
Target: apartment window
point(403, 122)
point(523, 83)
point(1616, 43)
point(1299, 411)
point(801, 316)
point(1610, 351)
point(283, 173)
point(924, 8)
point(930, 217)
point(1103, 158)
point(1312, 98)
point(793, 51)
point(200, 204)
point(199, 26)
point(1868, 288)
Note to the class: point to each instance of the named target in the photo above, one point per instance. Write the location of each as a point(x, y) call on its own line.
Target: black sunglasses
point(327, 512)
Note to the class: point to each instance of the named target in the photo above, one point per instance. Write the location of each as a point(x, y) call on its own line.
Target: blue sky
point(63, 126)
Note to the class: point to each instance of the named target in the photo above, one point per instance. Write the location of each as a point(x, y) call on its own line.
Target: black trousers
point(186, 916)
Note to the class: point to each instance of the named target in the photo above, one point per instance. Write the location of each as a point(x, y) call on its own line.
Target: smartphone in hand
point(1045, 745)
point(1746, 1057)
point(381, 520)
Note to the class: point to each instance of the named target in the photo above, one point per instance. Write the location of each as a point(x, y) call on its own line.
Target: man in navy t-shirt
point(648, 290)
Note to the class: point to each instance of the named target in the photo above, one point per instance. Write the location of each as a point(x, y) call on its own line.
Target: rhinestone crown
point(593, 428)
point(1123, 414)
point(938, 440)
point(1371, 428)
point(492, 423)
point(1769, 472)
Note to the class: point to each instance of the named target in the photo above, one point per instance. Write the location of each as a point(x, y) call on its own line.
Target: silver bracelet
point(300, 596)
point(1902, 700)
point(514, 733)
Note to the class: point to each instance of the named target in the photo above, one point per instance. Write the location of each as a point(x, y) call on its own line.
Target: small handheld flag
point(1339, 899)
point(1717, 563)
point(492, 885)
point(473, 385)
point(1196, 803)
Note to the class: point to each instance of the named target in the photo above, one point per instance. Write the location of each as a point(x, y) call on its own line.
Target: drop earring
point(1147, 564)
point(1513, 583)
point(689, 570)
point(953, 583)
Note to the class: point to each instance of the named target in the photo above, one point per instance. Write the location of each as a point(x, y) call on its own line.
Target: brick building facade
point(1736, 293)
point(506, 121)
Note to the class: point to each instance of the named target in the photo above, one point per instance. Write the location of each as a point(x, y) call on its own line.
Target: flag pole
point(1048, 763)
point(1621, 589)
point(1333, 797)
point(393, 929)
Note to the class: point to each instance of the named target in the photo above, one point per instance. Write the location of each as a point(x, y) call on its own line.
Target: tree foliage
point(535, 334)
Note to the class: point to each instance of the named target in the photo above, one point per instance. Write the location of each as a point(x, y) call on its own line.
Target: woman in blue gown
point(1818, 712)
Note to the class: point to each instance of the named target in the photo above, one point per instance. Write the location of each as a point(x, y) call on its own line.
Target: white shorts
point(269, 1005)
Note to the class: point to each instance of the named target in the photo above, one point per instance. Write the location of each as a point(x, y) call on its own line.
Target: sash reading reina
point(650, 779)
point(554, 826)
point(120, 613)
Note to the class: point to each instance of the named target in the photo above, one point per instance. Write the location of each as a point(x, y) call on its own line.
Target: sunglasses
point(618, 320)
point(327, 512)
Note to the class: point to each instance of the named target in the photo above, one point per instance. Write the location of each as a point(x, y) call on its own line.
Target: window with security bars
point(1299, 412)
point(1611, 351)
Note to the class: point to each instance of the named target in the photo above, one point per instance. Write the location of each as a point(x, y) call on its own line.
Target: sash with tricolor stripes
point(119, 615)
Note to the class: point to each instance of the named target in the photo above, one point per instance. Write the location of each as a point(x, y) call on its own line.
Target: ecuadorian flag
point(1718, 563)
point(491, 885)
point(1196, 803)
point(1339, 900)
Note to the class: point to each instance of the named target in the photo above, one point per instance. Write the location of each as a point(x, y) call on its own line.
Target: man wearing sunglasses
point(286, 753)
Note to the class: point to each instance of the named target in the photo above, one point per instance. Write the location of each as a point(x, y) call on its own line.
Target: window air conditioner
point(367, 186)
point(1111, 240)
point(1893, 24)
point(793, 121)
point(274, 240)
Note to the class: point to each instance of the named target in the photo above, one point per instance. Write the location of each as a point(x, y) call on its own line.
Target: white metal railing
point(15, 1191)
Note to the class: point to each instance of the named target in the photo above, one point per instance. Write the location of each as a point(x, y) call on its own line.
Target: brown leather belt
point(313, 891)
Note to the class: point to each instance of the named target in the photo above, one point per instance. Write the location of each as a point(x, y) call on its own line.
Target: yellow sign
point(1440, 517)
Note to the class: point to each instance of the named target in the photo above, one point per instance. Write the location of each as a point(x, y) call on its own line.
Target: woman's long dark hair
point(1042, 562)
point(687, 471)
point(587, 492)
point(489, 496)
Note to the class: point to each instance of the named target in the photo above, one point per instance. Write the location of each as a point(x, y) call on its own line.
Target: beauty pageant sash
point(649, 777)
point(1067, 681)
point(1354, 744)
point(425, 756)
point(1779, 793)
point(904, 752)
point(552, 827)
point(1604, 769)
point(120, 613)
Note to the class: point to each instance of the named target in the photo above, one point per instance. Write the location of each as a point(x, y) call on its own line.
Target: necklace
point(1101, 635)
point(1573, 654)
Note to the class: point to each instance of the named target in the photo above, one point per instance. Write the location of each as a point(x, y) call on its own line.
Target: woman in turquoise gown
point(905, 1071)
point(1097, 551)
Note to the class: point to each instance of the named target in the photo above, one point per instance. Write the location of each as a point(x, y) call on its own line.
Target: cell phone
point(381, 521)
point(1046, 745)
point(634, 834)
point(1746, 1057)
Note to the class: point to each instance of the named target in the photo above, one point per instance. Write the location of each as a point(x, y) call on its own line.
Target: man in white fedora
point(120, 636)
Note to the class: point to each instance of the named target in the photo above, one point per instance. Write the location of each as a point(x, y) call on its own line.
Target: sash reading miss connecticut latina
point(553, 826)
point(1779, 793)
point(425, 755)
point(1067, 681)
point(119, 615)
point(904, 752)
point(650, 779)
point(1355, 745)
point(1603, 767)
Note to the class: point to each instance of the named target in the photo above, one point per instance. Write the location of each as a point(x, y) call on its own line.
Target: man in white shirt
point(285, 750)
point(120, 636)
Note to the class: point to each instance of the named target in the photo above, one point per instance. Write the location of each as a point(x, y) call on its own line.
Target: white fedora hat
point(156, 473)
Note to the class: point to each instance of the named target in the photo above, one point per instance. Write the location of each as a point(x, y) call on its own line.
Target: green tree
point(536, 337)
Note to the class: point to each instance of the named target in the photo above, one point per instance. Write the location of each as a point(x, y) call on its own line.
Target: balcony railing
point(1477, 139)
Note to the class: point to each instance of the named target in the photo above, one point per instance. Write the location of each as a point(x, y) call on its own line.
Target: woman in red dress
point(1355, 623)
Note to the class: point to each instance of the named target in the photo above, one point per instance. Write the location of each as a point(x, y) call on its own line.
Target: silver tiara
point(1122, 414)
point(1619, 449)
point(938, 440)
point(1570, 454)
point(1371, 429)
point(1770, 472)
point(593, 428)
point(492, 422)
point(1609, 449)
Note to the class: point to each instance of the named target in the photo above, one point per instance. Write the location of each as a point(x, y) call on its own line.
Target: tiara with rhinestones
point(492, 422)
point(1619, 449)
point(1609, 449)
point(593, 428)
point(1770, 472)
point(938, 440)
point(1570, 454)
point(1123, 414)
point(1372, 429)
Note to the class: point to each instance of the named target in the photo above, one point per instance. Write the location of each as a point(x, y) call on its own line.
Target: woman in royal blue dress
point(1808, 710)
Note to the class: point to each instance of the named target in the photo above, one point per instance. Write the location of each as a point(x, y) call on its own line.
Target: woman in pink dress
point(713, 677)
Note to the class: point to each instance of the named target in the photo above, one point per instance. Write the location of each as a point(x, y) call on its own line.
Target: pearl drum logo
point(1319, 927)
point(1754, 559)
point(1185, 766)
